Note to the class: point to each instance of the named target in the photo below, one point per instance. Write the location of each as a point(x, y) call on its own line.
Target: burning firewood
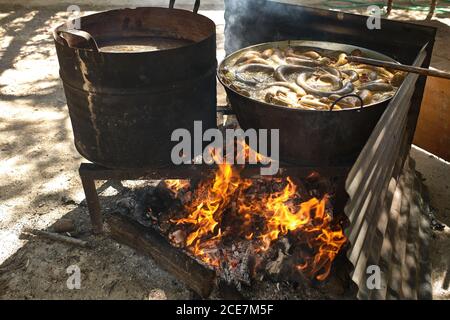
point(126, 205)
point(274, 267)
point(236, 265)
point(236, 214)
point(280, 229)
point(178, 238)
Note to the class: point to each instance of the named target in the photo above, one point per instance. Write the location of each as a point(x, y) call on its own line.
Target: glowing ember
point(225, 209)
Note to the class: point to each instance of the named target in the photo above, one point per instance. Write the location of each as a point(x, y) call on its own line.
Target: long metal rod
point(398, 66)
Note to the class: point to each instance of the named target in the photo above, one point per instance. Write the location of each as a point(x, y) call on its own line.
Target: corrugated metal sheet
point(385, 222)
point(378, 215)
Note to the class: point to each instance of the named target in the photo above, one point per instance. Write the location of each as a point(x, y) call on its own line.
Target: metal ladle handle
point(345, 96)
point(196, 5)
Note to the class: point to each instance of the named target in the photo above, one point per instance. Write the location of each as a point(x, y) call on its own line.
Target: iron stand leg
point(92, 201)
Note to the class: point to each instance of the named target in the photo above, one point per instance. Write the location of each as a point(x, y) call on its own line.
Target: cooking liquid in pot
point(142, 44)
point(308, 78)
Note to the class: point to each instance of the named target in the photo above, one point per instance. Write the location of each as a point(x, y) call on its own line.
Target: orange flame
point(209, 202)
point(175, 185)
point(307, 221)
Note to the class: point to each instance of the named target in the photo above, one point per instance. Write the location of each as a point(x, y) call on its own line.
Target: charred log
point(149, 242)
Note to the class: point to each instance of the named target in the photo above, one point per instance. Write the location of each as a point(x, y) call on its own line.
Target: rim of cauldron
point(57, 38)
point(306, 43)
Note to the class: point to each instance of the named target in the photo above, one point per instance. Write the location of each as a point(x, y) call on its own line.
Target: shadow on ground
point(108, 269)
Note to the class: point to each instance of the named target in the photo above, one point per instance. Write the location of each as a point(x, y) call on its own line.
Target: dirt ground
point(40, 184)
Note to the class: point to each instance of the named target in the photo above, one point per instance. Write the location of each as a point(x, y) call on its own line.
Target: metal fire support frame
point(89, 173)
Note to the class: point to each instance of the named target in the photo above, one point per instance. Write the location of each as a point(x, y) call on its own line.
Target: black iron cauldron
point(309, 137)
point(133, 76)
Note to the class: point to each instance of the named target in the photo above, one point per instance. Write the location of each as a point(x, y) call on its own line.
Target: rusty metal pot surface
point(309, 137)
point(132, 76)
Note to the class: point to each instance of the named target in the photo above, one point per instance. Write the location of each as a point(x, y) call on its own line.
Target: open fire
point(226, 226)
point(256, 217)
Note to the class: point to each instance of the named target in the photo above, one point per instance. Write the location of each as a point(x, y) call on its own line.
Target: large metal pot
point(132, 76)
point(309, 137)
